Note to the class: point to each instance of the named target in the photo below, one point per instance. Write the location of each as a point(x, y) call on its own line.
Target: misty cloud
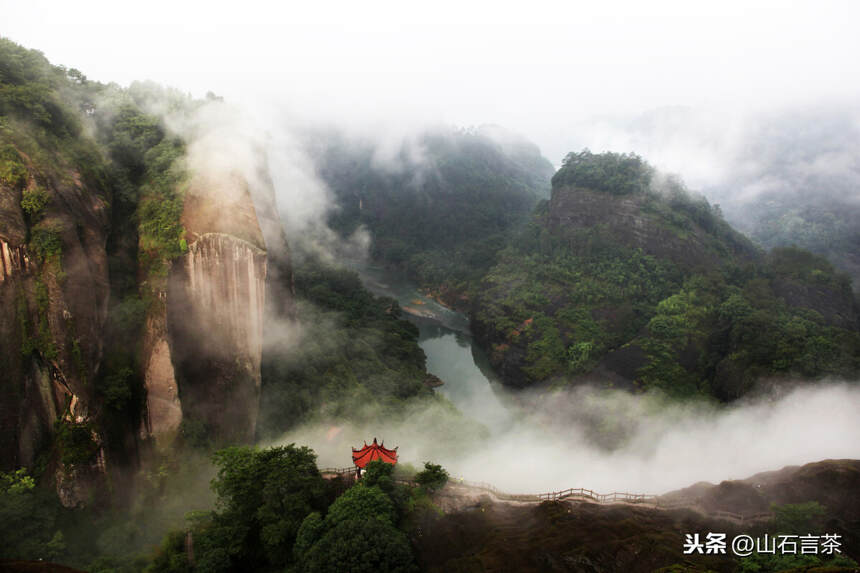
point(612, 440)
point(737, 157)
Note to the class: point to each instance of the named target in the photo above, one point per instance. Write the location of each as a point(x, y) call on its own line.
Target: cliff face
point(134, 271)
point(205, 344)
point(215, 320)
point(68, 399)
point(642, 221)
point(54, 292)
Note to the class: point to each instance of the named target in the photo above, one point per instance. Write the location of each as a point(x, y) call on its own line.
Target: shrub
point(34, 200)
point(433, 477)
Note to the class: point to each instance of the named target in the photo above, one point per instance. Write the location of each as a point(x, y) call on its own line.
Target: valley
point(203, 312)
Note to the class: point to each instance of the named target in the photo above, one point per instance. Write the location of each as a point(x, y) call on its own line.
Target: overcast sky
point(538, 68)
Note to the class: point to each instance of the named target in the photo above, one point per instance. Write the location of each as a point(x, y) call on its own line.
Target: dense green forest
point(442, 206)
point(572, 302)
point(274, 510)
point(269, 509)
point(356, 356)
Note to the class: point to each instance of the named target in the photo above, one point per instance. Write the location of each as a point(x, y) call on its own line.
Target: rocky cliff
point(54, 289)
point(205, 344)
point(133, 281)
point(647, 222)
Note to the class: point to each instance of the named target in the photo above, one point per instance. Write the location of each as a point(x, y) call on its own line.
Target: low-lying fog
point(613, 441)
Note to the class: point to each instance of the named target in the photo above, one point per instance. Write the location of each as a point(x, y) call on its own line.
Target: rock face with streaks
point(215, 304)
point(205, 349)
point(54, 290)
point(200, 346)
point(135, 266)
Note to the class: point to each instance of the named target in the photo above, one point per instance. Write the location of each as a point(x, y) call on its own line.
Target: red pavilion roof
point(373, 452)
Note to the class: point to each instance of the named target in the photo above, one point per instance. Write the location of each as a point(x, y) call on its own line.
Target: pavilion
point(374, 451)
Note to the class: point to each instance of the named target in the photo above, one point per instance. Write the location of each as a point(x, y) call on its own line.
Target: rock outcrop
point(642, 221)
point(215, 318)
point(200, 346)
point(54, 291)
point(205, 350)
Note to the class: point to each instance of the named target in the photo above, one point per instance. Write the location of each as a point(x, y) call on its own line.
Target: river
point(451, 352)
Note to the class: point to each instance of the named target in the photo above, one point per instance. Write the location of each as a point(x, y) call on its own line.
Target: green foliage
point(578, 355)
point(75, 442)
point(46, 242)
point(132, 135)
point(792, 262)
point(362, 502)
point(566, 308)
point(13, 172)
point(116, 389)
point(312, 529)
point(33, 201)
point(355, 350)
point(29, 89)
point(36, 338)
point(263, 497)
point(559, 300)
point(794, 519)
point(433, 477)
point(129, 314)
point(270, 516)
point(171, 556)
point(360, 545)
point(378, 473)
point(145, 154)
point(28, 519)
point(791, 518)
point(616, 173)
point(443, 217)
point(816, 218)
point(357, 534)
point(17, 482)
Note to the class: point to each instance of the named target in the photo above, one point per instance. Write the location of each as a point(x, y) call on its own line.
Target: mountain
point(151, 301)
point(133, 284)
point(782, 176)
point(438, 205)
point(799, 184)
point(625, 278)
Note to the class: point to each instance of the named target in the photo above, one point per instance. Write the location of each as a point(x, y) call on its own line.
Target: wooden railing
point(339, 471)
point(614, 497)
point(618, 497)
point(591, 495)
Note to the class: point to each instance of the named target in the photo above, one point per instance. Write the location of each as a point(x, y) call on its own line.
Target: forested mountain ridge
point(441, 205)
point(625, 278)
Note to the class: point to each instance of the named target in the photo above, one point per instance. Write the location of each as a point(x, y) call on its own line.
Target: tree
point(28, 515)
point(362, 502)
point(378, 473)
point(433, 477)
point(263, 497)
point(361, 545)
